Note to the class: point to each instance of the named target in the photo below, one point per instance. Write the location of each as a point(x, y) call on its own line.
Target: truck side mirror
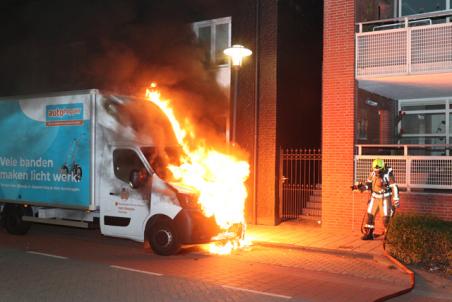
point(137, 178)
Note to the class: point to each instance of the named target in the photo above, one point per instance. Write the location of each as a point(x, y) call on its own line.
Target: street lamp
point(236, 53)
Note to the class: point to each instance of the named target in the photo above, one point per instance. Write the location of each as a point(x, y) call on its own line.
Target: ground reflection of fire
point(217, 177)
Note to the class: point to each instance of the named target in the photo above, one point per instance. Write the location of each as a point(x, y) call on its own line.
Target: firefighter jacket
point(382, 184)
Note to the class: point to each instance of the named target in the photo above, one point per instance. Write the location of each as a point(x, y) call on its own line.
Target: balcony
point(412, 170)
point(412, 45)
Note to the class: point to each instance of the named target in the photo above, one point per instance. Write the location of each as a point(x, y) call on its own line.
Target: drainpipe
point(256, 111)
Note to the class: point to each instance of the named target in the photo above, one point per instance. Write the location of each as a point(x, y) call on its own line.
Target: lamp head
point(237, 53)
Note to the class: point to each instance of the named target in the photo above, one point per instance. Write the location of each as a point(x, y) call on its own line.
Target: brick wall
point(374, 9)
point(338, 113)
point(439, 205)
point(260, 96)
point(267, 182)
point(377, 122)
point(386, 127)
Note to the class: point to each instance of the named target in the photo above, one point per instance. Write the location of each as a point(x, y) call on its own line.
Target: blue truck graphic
point(46, 151)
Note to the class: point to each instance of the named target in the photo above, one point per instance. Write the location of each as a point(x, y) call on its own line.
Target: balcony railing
point(400, 46)
point(411, 171)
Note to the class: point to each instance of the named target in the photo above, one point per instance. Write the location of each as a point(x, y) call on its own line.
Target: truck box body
point(73, 157)
point(46, 154)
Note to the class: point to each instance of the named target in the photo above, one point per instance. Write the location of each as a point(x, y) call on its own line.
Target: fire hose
point(402, 267)
point(393, 260)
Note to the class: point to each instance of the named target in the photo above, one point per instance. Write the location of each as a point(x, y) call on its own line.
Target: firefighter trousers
point(376, 204)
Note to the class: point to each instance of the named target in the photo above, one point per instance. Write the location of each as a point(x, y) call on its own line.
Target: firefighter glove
point(359, 186)
point(362, 187)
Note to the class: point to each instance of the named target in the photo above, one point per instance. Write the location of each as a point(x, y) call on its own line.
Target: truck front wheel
point(13, 219)
point(163, 238)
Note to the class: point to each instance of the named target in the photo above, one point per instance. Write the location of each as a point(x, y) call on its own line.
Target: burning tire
point(163, 238)
point(238, 229)
point(13, 219)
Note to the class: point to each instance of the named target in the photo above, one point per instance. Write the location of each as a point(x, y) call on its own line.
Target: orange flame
point(219, 178)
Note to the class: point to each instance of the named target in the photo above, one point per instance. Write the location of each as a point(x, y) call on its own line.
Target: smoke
point(121, 119)
point(163, 50)
point(117, 45)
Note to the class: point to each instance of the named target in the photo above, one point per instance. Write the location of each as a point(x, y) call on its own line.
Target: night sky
point(300, 73)
point(122, 45)
point(118, 45)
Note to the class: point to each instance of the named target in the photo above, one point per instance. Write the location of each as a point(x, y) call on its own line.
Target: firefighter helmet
point(378, 164)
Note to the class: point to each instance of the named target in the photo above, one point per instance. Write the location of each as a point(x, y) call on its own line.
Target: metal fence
point(406, 50)
point(411, 171)
point(300, 180)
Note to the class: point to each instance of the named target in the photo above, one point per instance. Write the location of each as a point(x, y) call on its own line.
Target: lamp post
point(236, 53)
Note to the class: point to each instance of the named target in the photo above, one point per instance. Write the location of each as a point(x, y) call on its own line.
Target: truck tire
point(163, 238)
point(13, 219)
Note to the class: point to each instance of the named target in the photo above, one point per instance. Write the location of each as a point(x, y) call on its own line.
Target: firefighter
point(382, 184)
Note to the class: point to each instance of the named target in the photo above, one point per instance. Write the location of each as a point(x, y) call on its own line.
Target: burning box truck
point(77, 159)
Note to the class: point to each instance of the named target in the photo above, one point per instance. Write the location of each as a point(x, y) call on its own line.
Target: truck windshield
point(160, 158)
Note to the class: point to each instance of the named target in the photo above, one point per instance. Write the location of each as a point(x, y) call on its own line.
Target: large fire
point(217, 177)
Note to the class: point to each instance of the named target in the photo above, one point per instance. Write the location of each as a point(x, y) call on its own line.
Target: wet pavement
point(296, 262)
point(313, 237)
point(309, 236)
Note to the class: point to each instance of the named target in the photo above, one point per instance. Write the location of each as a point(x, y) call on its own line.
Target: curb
point(337, 252)
point(404, 269)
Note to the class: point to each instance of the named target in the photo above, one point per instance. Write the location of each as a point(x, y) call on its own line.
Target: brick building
point(386, 93)
point(279, 87)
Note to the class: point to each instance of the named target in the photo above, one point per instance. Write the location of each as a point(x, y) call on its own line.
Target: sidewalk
point(308, 236)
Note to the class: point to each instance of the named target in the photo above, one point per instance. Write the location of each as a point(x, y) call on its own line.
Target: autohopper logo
point(64, 114)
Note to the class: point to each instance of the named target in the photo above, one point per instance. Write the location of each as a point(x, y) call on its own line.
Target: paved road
point(36, 277)
point(65, 264)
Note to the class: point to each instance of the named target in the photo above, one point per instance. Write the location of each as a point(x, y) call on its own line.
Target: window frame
point(212, 23)
point(399, 3)
point(114, 161)
point(447, 111)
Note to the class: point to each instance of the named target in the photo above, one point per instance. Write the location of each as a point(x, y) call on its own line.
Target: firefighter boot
point(368, 235)
point(369, 228)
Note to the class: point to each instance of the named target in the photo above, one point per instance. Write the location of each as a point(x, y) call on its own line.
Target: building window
point(413, 7)
point(215, 36)
point(425, 121)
